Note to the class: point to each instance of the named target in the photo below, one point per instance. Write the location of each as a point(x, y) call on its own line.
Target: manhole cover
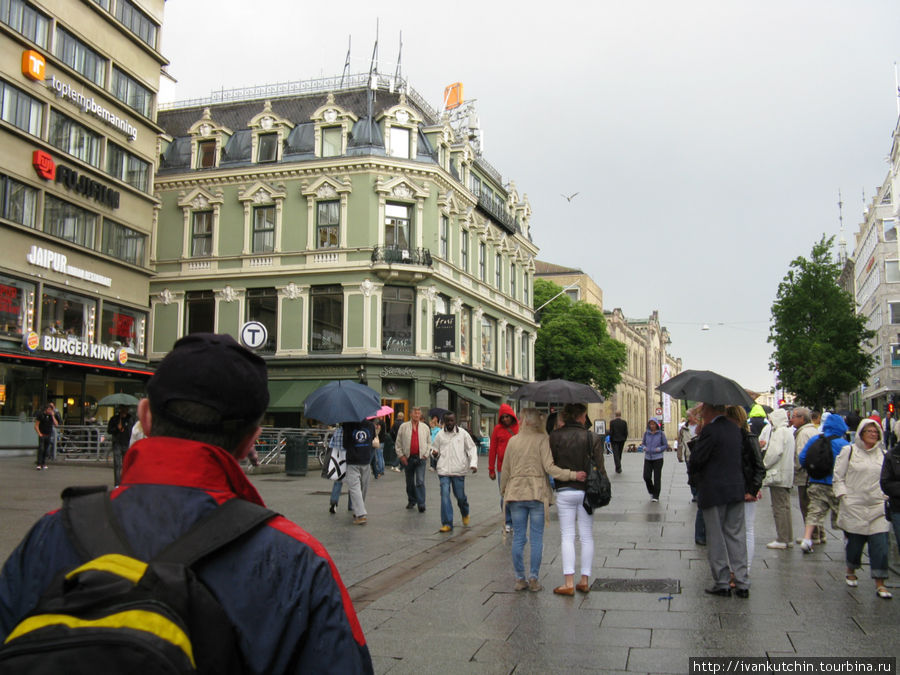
point(628, 517)
point(637, 585)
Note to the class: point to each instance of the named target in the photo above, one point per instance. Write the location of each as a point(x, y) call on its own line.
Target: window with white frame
point(397, 223)
point(524, 352)
point(464, 250)
point(465, 334)
point(895, 355)
point(263, 229)
point(201, 234)
point(267, 150)
point(206, 154)
point(889, 227)
point(498, 271)
point(327, 303)
point(892, 270)
point(895, 311)
point(20, 109)
point(332, 139)
point(18, 202)
point(399, 142)
point(525, 297)
point(488, 343)
point(199, 312)
point(444, 237)
point(512, 279)
point(328, 223)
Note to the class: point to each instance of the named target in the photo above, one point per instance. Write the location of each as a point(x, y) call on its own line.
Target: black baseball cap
point(216, 371)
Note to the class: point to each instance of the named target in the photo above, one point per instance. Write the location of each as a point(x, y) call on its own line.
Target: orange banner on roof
point(453, 96)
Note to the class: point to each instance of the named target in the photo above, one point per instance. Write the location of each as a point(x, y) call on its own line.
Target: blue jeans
point(415, 481)
point(336, 492)
point(378, 462)
point(879, 544)
point(458, 483)
point(522, 513)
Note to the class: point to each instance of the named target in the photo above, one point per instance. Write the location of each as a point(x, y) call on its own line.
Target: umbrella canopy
point(382, 412)
point(118, 399)
point(437, 412)
point(557, 391)
point(341, 401)
point(706, 386)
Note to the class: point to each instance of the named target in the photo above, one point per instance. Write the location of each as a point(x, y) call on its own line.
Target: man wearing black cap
point(277, 585)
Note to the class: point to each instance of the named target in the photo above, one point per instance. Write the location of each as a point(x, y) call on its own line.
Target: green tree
point(818, 336)
point(572, 342)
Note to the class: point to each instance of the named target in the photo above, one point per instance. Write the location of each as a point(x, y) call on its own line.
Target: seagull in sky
point(570, 197)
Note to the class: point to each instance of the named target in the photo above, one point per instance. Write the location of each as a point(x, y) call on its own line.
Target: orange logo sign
point(43, 164)
point(33, 65)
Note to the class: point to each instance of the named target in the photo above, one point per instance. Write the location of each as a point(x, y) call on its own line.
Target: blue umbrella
point(342, 401)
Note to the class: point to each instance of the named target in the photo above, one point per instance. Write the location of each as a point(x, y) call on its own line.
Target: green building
point(361, 228)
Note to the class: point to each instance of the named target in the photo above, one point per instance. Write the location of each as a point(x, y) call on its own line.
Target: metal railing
point(83, 442)
point(403, 256)
point(272, 443)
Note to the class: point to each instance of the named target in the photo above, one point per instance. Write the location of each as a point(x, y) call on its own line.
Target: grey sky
point(707, 139)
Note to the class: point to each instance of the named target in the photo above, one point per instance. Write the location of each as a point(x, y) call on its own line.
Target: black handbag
point(598, 490)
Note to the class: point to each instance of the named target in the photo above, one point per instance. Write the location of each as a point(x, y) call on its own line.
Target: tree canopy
point(819, 338)
point(572, 342)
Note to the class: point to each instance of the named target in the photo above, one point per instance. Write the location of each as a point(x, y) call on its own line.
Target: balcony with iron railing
point(488, 205)
point(395, 255)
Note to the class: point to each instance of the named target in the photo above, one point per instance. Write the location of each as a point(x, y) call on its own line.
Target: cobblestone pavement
point(444, 603)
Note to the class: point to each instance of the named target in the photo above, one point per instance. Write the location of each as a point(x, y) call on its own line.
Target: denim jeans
point(879, 544)
point(378, 462)
point(524, 513)
point(336, 492)
point(415, 481)
point(458, 483)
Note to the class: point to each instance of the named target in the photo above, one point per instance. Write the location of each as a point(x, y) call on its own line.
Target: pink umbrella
point(383, 411)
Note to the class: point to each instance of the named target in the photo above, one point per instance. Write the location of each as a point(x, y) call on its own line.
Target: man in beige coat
point(413, 441)
point(801, 420)
point(524, 485)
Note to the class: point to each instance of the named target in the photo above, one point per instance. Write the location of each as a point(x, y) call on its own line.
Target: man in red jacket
point(506, 428)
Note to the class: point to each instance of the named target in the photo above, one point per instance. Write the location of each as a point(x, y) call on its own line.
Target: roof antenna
point(842, 243)
point(346, 63)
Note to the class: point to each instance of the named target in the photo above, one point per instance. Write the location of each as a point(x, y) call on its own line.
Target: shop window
point(123, 243)
point(397, 314)
point(465, 334)
point(66, 315)
point(21, 387)
point(18, 202)
point(262, 306)
point(397, 226)
point(15, 297)
point(123, 165)
point(132, 93)
point(206, 154)
point(328, 223)
point(263, 229)
point(74, 138)
point(69, 222)
point(327, 318)
point(136, 21)
point(200, 312)
point(267, 150)
point(201, 234)
point(488, 343)
point(25, 20)
point(123, 327)
point(332, 138)
point(20, 109)
point(77, 55)
point(442, 306)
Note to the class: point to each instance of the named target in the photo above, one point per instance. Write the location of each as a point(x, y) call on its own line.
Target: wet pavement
point(441, 603)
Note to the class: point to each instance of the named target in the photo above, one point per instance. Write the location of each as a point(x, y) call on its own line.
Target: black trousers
point(653, 476)
point(617, 448)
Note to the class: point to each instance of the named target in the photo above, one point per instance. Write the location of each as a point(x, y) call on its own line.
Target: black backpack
point(118, 614)
point(820, 458)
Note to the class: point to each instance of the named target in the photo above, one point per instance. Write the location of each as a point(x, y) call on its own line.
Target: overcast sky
point(707, 139)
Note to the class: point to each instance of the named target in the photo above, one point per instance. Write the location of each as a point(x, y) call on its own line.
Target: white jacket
point(779, 456)
point(857, 485)
point(456, 452)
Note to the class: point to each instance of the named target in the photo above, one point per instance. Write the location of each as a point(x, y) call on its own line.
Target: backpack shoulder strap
point(226, 523)
point(90, 523)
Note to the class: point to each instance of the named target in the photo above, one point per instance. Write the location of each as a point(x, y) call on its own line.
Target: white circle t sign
point(254, 335)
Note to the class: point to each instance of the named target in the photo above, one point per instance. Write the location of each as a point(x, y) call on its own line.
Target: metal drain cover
point(637, 585)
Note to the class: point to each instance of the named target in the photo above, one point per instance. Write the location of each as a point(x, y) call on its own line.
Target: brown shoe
point(521, 585)
point(360, 521)
point(564, 590)
point(583, 588)
point(534, 585)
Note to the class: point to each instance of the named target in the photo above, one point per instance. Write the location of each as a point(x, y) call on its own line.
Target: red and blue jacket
point(279, 586)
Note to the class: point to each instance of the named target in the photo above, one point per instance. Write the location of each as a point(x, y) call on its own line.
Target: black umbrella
point(706, 386)
point(342, 401)
point(557, 391)
point(437, 412)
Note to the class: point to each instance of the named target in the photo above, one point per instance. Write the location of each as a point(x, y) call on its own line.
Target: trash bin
point(296, 459)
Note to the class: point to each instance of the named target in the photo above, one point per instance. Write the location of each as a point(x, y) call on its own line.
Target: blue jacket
point(279, 587)
point(654, 443)
point(834, 426)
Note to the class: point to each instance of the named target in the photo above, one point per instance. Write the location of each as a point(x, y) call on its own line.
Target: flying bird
point(570, 197)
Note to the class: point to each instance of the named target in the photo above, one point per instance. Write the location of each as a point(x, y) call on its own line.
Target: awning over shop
point(472, 396)
point(290, 394)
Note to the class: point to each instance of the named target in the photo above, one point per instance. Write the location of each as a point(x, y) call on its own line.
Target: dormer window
point(206, 154)
point(332, 138)
point(268, 148)
point(333, 127)
point(399, 142)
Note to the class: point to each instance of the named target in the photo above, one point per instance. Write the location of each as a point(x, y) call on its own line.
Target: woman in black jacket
point(890, 485)
point(754, 472)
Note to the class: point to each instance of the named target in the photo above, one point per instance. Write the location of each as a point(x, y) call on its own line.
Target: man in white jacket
point(456, 456)
point(779, 463)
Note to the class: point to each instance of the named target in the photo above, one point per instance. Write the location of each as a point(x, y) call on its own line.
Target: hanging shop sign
point(69, 178)
point(444, 333)
point(70, 346)
point(59, 262)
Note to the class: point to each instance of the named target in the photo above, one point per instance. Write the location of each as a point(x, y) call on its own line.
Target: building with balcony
point(78, 85)
point(363, 230)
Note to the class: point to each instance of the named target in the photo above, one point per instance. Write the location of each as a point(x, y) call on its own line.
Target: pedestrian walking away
point(654, 445)
point(119, 430)
point(861, 513)
point(505, 429)
point(413, 441)
point(527, 492)
point(573, 447)
point(779, 464)
point(357, 438)
point(804, 429)
point(820, 491)
point(618, 435)
point(277, 586)
point(456, 456)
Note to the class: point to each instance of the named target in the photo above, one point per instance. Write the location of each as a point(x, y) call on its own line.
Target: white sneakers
point(778, 545)
point(806, 546)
